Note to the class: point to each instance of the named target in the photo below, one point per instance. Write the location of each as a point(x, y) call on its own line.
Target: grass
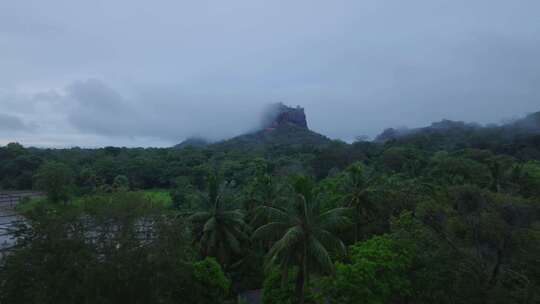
point(27, 205)
point(156, 197)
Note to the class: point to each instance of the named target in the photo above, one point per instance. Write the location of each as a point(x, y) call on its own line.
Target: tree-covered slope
point(290, 135)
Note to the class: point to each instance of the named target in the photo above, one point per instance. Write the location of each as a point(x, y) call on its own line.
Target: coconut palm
point(260, 190)
point(304, 235)
point(356, 187)
point(221, 232)
point(263, 192)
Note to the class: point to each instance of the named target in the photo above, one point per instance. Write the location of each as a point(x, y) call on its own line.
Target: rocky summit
point(282, 115)
point(281, 125)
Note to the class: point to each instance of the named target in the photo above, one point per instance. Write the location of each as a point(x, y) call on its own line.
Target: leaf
point(210, 225)
point(319, 254)
point(330, 242)
point(274, 214)
point(199, 217)
point(334, 219)
point(270, 231)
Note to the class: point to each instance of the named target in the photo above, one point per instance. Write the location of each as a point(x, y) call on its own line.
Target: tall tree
point(55, 179)
point(220, 231)
point(304, 235)
point(356, 186)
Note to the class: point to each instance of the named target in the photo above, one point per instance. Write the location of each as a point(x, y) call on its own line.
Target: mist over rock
point(278, 115)
point(281, 125)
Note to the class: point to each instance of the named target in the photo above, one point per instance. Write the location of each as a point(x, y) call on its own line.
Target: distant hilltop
point(193, 142)
point(526, 126)
point(281, 125)
point(278, 115)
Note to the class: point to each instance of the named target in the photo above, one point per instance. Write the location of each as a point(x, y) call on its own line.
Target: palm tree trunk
point(301, 278)
point(300, 286)
point(357, 225)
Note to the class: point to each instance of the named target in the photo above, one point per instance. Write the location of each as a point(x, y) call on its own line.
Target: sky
point(152, 73)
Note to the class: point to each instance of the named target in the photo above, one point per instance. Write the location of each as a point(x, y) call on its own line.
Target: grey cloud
point(161, 113)
point(11, 123)
point(173, 69)
point(96, 108)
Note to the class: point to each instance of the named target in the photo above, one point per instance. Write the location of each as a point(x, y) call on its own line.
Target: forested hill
point(193, 142)
point(445, 214)
point(286, 128)
point(528, 125)
point(290, 147)
point(281, 127)
point(514, 138)
point(281, 137)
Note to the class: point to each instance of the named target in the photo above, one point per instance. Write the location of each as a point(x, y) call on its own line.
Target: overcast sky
point(151, 73)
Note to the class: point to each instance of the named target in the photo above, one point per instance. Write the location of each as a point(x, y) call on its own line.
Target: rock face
point(280, 124)
point(282, 115)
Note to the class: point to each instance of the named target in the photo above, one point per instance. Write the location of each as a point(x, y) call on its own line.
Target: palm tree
point(259, 191)
point(263, 192)
point(356, 186)
point(220, 232)
point(303, 234)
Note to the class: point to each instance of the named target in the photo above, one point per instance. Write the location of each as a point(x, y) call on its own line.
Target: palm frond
point(330, 242)
point(334, 219)
point(240, 234)
point(273, 214)
point(318, 256)
point(287, 242)
point(234, 218)
point(199, 217)
point(236, 214)
point(270, 231)
point(232, 241)
point(210, 224)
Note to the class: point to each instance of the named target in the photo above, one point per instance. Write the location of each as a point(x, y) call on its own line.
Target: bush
point(114, 248)
point(276, 290)
point(376, 275)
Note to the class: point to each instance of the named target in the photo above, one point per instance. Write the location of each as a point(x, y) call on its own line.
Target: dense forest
point(449, 213)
